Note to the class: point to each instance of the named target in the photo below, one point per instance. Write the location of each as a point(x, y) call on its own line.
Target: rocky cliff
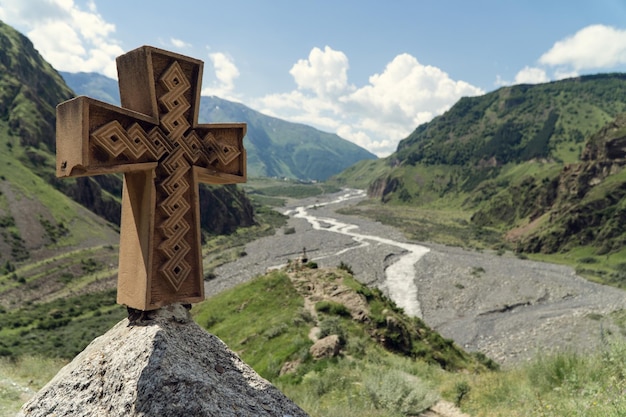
point(583, 205)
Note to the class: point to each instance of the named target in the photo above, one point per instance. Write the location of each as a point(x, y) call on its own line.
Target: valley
point(509, 309)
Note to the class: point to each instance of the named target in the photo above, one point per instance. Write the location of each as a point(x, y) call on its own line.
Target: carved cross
point(156, 142)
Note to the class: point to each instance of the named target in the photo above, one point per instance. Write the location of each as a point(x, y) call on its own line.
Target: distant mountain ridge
point(275, 148)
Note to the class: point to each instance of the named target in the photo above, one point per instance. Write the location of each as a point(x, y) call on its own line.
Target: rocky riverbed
point(507, 308)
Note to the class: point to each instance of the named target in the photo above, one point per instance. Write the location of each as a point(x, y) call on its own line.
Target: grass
point(19, 378)
point(565, 384)
point(260, 320)
point(265, 322)
point(369, 380)
point(60, 328)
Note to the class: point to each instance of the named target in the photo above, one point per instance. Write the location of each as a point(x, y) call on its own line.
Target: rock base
point(161, 365)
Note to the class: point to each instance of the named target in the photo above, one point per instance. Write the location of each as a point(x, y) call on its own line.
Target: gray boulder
point(162, 365)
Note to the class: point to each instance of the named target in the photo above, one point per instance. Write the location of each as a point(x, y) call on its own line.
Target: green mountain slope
point(275, 148)
point(518, 123)
point(521, 161)
point(40, 225)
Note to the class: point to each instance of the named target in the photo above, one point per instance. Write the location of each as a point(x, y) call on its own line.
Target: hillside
point(377, 362)
point(275, 148)
point(37, 218)
point(507, 157)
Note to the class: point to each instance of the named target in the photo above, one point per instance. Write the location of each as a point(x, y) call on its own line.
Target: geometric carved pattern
point(223, 152)
point(156, 142)
point(181, 151)
point(174, 205)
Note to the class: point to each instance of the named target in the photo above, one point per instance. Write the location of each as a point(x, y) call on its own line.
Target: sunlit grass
point(20, 378)
point(565, 384)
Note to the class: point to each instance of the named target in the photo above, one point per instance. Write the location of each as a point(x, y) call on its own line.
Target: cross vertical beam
point(154, 139)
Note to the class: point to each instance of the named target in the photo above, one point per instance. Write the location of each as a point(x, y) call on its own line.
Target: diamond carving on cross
point(154, 139)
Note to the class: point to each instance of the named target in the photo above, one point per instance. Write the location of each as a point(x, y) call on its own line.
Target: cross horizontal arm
point(76, 119)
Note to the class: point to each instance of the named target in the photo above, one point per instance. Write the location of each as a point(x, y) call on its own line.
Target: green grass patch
point(19, 378)
point(259, 320)
point(265, 322)
point(564, 384)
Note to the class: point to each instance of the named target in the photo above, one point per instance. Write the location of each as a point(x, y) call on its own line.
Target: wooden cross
point(156, 142)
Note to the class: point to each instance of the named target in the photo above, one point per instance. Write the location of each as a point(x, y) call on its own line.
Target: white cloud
point(226, 73)
point(180, 44)
point(500, 82)
point(324, 72)
point(531, 75)
point(375, 116)
point(87, 39)
point(593, 47)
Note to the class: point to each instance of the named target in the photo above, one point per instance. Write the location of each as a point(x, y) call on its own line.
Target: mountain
point(541, 164)
point(94, 85)
point(275, 148)
point(58, 232)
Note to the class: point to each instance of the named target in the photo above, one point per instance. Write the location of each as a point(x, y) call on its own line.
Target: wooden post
point(155, 141)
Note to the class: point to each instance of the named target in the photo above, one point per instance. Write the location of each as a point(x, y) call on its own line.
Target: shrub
point(588, 260)
point(399, 392)
point(332, 307)
point(344, 266)
point(461, 389)
point(332, 325)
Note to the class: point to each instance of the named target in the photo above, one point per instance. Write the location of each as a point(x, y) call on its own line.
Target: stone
point(327, 347)
point(162, 364)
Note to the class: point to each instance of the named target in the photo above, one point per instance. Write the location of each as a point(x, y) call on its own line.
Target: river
point(507, 308)
point(399, 281)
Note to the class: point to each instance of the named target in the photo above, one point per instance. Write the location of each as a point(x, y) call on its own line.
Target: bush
point(332, 325)
point(344, 266)
point(332, 307)
point(399, 392)
point(588, 260)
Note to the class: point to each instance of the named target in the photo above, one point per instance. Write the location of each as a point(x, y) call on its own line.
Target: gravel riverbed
point(507, 308)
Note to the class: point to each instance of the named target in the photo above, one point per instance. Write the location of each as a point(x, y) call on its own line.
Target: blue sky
point(370, 71)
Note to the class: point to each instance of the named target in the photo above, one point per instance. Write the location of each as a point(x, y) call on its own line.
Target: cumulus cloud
point(180, 44)
point(225, 72)
point(88, 43)
point(376, 115)
point(531, 75)
point(593, 47)
point(324, 72)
